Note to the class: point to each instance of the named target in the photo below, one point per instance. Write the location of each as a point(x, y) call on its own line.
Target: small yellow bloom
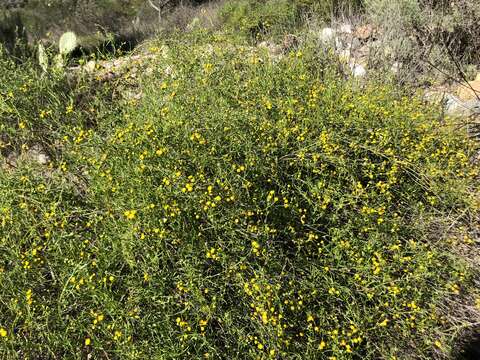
point(3, 332)
point(130, 214)
point(88, 341)
point(383, 323)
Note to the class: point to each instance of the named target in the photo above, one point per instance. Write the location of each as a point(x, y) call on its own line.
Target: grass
point(240, 209)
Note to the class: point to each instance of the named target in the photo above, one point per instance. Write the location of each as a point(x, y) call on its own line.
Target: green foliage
point(36, 108)
point(239, 210)
point(257, 18)
point(330, 9)
point(424, 32)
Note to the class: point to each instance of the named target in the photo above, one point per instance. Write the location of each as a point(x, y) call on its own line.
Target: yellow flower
point(88, 341)
point(130, 214)
point(383, 323)
point(3, 332)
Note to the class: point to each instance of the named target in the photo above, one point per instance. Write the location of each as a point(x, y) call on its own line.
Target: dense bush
point(277, 17)
point(37, 108)
point(239, 210)
point(429, 34)
point(331, 9)
point(258, 18)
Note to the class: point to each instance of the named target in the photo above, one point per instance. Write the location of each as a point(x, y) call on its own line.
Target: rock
point(358, 70)
point(456, 107)
point(272, 48)
point(345, 29)
point(132, 95)
point(148, 71)
point(352, 44)
point(209, 49)
point(168, 71)
point(347, 43)
point(90, 66)
point(396, 66)
point(469, 91)
point(327, 34)
point(11, 160)
point(452, 104)
point(364, 32)
point(264, 44)
point(37, 154)
point(434, 96)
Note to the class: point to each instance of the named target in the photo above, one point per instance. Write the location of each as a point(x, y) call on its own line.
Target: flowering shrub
point(241, 209)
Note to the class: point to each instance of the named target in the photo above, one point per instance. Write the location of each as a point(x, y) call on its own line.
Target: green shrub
point(428, 35)
point(240, 210)
point(255, 19)
point(331, 9)
point(37, 107)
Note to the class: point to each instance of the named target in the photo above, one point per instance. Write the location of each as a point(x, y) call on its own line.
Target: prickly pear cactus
point(67, 43)
point(42, 57)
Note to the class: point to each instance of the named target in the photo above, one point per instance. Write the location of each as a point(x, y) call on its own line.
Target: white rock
point(38, 154)
point(455, 107)
point(353, 44)
point(396, 67)
point(43, 159)
point(434, 96)
point(90, 66)
point(345, 29)
point(452, 104)
point(327, 34)
point(358, 70)
point(264, 44)
point(168, 70)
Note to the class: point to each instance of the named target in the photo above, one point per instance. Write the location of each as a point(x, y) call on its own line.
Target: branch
point(154, 6)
